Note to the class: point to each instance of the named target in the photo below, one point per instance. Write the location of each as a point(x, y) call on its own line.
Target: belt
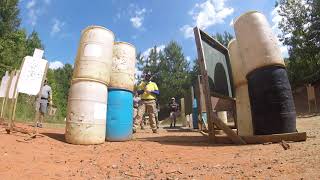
point(44, 98)
point(148, 99)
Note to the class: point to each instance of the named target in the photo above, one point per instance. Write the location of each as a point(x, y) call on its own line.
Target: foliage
point(300, 27)
point(224, 38)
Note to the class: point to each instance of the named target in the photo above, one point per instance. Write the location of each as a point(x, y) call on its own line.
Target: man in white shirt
point(43, 102)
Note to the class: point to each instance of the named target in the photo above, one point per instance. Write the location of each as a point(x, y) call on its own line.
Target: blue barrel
point(195, 114)
point(119, 115)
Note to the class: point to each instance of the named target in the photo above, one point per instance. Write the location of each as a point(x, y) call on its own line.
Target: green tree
point(174, 74)
point(224, 38)
point(9, 20)
point(59, 80)
point(300, 26)
point(33, 41)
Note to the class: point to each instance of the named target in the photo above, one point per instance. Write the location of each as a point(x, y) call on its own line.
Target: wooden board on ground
point(261, 139)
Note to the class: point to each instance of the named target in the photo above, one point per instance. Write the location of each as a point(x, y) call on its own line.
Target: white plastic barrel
point(86, 116)
point(123, 66)
point(244, 120)
point(94, 57)
point(237, 65)
point(256, 41)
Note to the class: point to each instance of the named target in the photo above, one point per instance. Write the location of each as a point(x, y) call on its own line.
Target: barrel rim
point(245, 14)
point(123, 42)
point(120, 89)
point(78, 79)
point(96, 26)
point(229, 44)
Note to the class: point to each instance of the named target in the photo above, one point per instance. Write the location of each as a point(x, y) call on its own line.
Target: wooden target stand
point(214, 101)
point(11, 127)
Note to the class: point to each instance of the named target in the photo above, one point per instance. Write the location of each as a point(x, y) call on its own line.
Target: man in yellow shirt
point(148, 92)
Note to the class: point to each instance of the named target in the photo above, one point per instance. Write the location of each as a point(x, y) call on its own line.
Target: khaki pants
point(149, 108)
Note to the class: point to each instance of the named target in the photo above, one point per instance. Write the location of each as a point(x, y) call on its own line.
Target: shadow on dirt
point(55, 136)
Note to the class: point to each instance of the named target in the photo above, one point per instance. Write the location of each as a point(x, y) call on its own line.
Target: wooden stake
point(15, 98)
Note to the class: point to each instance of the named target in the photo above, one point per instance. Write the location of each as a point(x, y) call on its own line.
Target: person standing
point(43, 102)
point(148, 92)
point(173, 108)
point(136, 105)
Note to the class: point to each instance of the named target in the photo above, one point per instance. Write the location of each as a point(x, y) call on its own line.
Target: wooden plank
point(260, 139)
point(15, 97)
point(222, 104)
point(231, 134)
point(275, 138)
point(205, 83)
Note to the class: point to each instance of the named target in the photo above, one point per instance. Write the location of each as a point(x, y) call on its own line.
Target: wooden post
point(182, 112)
point(15, 98)
point(206, 86)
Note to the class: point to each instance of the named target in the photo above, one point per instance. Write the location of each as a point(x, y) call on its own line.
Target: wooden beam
point(230, 133)
point(275, 138)
point(260, 139)
point(206, 88)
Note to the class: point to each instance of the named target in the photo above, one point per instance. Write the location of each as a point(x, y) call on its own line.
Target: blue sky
point(144, 23)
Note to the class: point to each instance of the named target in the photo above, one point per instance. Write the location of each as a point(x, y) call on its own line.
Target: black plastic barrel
point(272, 105)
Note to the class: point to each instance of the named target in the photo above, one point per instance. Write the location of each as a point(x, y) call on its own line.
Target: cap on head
point(173, 98)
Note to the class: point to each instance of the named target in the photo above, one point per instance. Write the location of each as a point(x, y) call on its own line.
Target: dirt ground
point(171, 154)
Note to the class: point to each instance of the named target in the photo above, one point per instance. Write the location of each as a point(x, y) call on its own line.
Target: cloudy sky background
point(140, 22)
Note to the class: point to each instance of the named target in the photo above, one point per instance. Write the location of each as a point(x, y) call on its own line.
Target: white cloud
point(56, 27)
point(31, 4)
point(207, 14)
point(146, 53)
point(35, 9)
point(188, 58)
point(56, 65)
point(137, 19)
point(231, 23)
point(187, 31)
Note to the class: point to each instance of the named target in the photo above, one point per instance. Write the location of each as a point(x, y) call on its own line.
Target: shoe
point(39, 125)
point(134, 130)
point(142, 128)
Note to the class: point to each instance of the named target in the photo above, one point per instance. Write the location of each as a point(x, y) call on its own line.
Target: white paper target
point(12, 86)
point(31, 75)
point(4, 84)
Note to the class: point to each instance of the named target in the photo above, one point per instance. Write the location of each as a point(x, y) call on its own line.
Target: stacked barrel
point(87, 101)
point(272, 106)
point(244, 121)
point(120, 101)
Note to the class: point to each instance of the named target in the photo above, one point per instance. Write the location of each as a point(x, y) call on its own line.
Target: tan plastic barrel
point(123, 66)
point(244, 120)
point(223, 115)
point(237, 65)
point(86, 116)
point(94, 56)
point(256, 41)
